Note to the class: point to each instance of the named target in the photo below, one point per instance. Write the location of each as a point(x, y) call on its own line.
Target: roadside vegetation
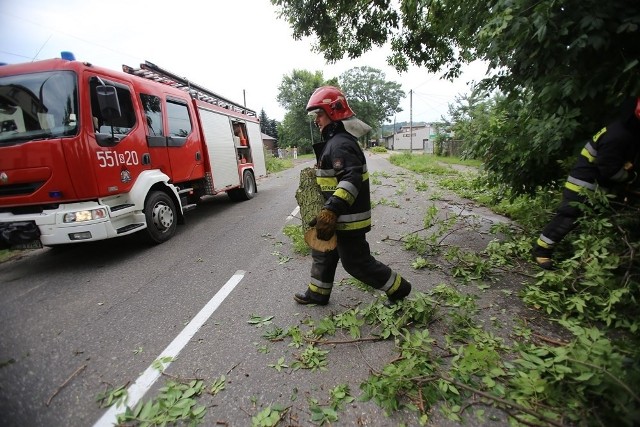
point(449, 359)
point(586, 376)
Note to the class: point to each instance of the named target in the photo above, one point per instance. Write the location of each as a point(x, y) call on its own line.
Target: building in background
point(270, 144)
point(416, 138)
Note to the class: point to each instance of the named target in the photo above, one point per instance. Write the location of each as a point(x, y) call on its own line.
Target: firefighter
point(341, 172)
point(609, 161)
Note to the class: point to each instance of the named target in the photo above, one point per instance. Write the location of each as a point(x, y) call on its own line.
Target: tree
point(294, 92)
point(565, 63)
point(372, 97)
point(268, 126)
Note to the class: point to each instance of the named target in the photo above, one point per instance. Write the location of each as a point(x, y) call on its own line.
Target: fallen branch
point(77, 371)
point(610, 375)
point(549, 340)
point(502, 401)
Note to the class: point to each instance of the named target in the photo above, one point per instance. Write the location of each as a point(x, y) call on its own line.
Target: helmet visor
point(314, 112)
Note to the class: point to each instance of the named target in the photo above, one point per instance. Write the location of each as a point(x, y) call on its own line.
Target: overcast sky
point(226, 46)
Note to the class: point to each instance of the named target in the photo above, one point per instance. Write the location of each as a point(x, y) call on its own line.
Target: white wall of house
point(418, 138)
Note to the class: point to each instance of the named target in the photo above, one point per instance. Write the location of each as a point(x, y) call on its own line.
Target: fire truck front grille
point(33, 209)
point(19, 189)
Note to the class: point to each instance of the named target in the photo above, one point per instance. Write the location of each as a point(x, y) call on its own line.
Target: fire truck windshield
point(37, 106)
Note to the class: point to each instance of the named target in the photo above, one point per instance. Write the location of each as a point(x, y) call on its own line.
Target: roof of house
point(267, 137)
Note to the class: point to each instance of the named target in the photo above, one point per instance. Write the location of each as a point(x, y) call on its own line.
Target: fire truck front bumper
point(66, 224)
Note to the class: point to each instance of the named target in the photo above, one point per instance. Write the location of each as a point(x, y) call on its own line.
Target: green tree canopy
point(293, 95)
point(370, 95)
point(268, 126)
point(562, 65)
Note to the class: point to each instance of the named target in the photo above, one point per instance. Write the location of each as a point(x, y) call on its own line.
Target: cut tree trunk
point(309, 197)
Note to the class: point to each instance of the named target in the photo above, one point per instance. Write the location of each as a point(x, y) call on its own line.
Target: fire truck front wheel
point(248, 189)
point(160, 213)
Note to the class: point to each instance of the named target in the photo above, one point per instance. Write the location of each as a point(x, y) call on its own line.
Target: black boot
point(310, 297)
point(401, 292)
point(542, 257)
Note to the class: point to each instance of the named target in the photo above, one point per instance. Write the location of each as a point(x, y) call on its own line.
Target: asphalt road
point(78, 319)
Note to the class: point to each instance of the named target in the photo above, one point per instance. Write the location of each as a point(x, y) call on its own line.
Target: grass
point(424, 163)
point(275, 164)
point(7, 254)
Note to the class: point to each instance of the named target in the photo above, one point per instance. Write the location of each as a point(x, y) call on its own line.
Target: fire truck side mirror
point(108, 102)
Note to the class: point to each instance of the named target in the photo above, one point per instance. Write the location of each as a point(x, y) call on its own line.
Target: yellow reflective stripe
point(325, 181)
point(327, 184)
point(573, 187)
point(357, 225)
point(344, 195)
point(599, 134)
point(365, 176)
point(580, 183)
point(588, 155)
point(544, 244)
point(317, 290)
point(396, 285)
point(349, 187)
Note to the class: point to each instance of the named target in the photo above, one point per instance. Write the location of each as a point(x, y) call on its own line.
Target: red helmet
point(332, 101)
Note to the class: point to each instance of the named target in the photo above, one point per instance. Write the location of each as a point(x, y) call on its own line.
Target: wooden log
point(310, 199)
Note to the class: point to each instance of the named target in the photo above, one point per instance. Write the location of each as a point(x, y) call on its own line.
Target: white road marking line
point(138, 389)
point(294, 213)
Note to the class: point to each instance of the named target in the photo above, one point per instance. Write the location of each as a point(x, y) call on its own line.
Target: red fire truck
point(88, 153)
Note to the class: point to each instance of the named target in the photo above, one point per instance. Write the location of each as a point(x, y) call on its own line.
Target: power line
point(65, 34)
point(14, 54)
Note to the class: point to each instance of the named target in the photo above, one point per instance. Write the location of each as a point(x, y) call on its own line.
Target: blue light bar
point(69, 56)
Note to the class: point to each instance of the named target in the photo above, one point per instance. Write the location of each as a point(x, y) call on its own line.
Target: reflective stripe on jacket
point(605, 159)
point(343, 177)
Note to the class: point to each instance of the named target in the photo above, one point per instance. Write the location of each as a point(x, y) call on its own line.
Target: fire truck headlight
point(86, 215)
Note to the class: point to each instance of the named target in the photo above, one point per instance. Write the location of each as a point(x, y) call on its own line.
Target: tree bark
point(309, 197)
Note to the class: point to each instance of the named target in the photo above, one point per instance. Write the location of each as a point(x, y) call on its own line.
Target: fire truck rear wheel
point(160, 213)
point(248, 191)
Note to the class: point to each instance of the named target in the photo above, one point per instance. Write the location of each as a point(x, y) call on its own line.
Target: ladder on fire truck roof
point(151, 71)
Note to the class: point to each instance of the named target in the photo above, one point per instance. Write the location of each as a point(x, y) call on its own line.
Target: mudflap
point(20, 235)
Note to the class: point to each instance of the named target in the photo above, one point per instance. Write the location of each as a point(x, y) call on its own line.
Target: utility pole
point(393, 140)
point(411, 121)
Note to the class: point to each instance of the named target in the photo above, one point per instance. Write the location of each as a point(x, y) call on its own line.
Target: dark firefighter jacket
point(607, 159)
point(342, 175)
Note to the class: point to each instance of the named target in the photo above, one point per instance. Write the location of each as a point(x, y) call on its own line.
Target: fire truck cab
point(88, 153)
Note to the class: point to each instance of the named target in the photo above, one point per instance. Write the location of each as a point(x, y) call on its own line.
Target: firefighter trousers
point(354, 253)
point(565, 220)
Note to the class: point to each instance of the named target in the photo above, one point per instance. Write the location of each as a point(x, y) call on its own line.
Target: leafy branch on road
point(583, 378)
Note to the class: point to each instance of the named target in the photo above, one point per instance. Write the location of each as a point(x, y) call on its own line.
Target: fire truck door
point(155, 134)
point(183, 141)
point(172, 141)
point(119, 155)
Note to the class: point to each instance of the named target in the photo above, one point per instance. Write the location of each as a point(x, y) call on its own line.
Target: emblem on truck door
point(4, 178)
point(125, 175)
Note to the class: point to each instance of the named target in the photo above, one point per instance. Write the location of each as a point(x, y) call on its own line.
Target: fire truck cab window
point(119, 126)
point(38, 106)
point(153, 114)
point(178, 119)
